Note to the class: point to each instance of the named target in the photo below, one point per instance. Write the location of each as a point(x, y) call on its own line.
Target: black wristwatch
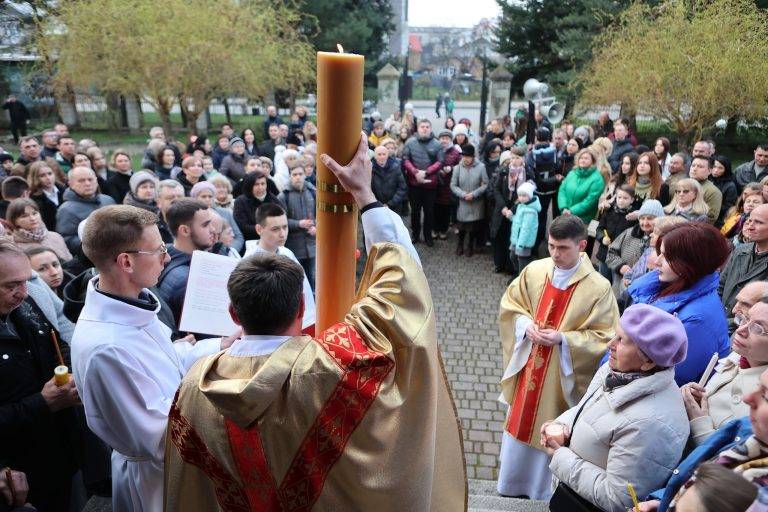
point(370, 206)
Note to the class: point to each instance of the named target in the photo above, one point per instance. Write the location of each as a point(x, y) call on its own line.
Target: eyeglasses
point(162, 250)
point(683, 191)
point(752, 327)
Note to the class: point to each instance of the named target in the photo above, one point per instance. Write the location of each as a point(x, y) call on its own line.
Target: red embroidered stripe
point(550, 312)
point(192, 450)
point(364, 371)
point(248, 452)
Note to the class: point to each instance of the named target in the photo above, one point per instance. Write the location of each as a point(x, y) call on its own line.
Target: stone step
point(484, 498)
point(482, 487)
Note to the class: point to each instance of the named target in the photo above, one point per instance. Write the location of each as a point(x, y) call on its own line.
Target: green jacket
point(580, 192)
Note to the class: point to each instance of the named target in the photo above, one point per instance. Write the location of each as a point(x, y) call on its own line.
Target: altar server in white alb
point(125, 365)
point(272, 228)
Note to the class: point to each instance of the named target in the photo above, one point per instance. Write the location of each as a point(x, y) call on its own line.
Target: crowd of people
point(640, 264)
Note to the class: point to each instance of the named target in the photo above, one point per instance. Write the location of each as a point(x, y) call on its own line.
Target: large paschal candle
point(339, 122)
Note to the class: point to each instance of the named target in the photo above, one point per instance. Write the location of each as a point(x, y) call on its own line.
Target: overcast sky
point(452, 13)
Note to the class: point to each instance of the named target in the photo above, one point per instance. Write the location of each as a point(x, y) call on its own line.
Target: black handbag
point(565, 499)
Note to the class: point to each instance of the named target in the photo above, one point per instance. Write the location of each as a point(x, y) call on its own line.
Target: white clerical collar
point(560, 276)
point(252, 345)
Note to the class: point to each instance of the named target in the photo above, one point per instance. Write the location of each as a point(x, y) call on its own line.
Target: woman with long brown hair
point(685, 284)
point(647, 182)
point(46, 191)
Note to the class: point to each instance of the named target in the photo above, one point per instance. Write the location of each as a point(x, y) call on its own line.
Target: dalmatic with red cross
point(359, 417)
point(584, 311)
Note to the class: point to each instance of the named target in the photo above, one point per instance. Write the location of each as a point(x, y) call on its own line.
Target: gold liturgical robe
point(358, 418)
point(585, 312)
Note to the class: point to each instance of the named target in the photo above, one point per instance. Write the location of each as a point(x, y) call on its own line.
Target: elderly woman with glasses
point(688, 202)
point(613, 435)
point(740, 445)
point(721, 400)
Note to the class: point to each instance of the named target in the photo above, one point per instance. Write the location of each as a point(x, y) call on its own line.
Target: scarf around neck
point(749, 459)
point(615, 379)
point(23, 235)
point(515, 177)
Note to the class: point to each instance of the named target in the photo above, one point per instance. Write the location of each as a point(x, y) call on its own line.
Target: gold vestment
point(358, 418)
point(588, 323)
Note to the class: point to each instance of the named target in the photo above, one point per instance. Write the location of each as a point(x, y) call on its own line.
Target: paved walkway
point(466, 293)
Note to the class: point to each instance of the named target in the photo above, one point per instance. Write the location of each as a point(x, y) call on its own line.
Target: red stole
point(550, 311)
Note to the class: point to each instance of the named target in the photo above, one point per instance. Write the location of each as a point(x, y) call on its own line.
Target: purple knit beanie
point(658, 334)
point(200, 186)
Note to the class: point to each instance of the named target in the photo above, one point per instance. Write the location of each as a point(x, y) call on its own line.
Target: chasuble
point(359, 417)
point(536, 384)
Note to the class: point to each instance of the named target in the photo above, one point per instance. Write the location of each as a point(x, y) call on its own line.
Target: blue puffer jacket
point(726, 437)
point(700, 310)
point(525, 223)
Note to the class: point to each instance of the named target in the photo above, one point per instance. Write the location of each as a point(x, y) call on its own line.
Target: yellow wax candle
point(633, 495)
point(339, 123)
point(61, 375)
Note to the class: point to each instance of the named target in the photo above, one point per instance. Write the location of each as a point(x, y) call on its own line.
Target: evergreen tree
point(360, 26)
point(552, 39)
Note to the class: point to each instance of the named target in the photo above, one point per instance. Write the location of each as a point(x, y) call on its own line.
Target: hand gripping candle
point(339, 122)
point(61, 372)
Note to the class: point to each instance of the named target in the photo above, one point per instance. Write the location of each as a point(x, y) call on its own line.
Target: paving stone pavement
point(466, 293)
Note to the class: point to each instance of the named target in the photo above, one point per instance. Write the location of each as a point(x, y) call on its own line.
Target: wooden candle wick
point(56, 346)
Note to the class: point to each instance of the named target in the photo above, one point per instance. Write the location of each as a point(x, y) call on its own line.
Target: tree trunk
point(112, 99)
point(226, 110)
point(683, 139)
point(730, 129)
point(164, 111)
point(186, 114)
point(67, 108)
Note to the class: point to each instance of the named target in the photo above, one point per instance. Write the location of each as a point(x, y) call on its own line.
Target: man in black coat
point(267, 148)
point(272, 118)
point(19, 117)
point(38, 426)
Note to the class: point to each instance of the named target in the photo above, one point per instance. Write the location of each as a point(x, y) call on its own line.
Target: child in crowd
point(308, 163)
point(749, 199)
point(208, 170)
point(267, 166)
point(525, 224)
point(627, 248)
point(6, 164)
point(613, 222)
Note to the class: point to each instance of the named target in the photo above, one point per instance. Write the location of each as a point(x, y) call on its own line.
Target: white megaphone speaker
point(554, 112)
point(532, 89)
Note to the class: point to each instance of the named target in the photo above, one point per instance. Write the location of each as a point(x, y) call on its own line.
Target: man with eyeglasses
point(748, 261)
point(125, 365)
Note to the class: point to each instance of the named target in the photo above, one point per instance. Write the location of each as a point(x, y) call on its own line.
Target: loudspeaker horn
point(554, 112)
point(532, 88)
